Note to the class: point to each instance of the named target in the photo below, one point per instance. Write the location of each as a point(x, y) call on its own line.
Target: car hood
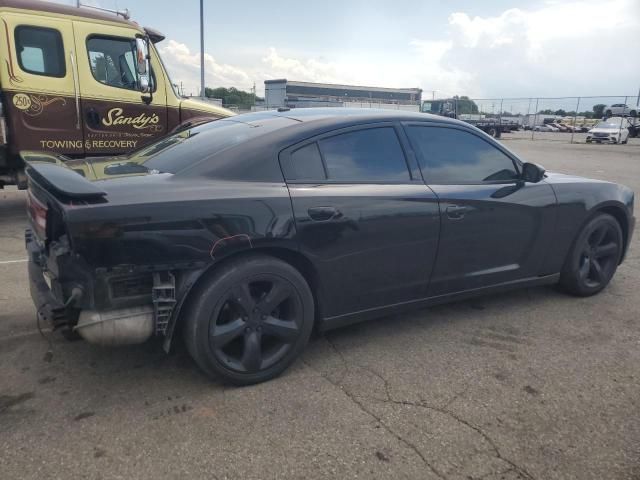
point(208, 109)
point(606, 130)
point(555, 177)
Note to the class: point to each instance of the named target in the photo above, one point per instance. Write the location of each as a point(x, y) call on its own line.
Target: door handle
point(456, 212)
point(93, 118)
point(323, 213)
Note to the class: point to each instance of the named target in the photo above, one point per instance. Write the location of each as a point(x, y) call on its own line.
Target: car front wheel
point(594, 257)
point(250, 320)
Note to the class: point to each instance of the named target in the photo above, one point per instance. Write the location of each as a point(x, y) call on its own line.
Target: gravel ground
point(526, 385)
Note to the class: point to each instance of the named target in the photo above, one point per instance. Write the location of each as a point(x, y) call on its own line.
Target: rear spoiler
point(50, 172)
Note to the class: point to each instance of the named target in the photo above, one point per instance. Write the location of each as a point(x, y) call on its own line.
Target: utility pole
point(202, 49)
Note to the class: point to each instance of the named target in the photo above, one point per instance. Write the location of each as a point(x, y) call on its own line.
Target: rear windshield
point(186, 148)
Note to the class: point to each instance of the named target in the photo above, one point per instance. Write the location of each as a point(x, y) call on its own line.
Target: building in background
point(287, 93)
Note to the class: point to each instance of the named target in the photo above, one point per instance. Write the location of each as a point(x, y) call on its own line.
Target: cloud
point(582, 47)
point(310, 69)
point(576, 48)
point(185, 66)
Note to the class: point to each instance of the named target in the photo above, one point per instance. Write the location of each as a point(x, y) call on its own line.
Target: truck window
point(112, 61)
point(40, 51)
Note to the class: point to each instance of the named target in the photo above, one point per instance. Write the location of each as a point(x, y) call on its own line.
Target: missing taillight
point(38, 215)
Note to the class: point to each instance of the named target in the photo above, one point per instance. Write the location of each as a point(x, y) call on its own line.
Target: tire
point(249, 320)
point(594, 257)
point(633, 113)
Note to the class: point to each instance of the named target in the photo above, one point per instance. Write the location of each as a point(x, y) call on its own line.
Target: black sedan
point(246, 233)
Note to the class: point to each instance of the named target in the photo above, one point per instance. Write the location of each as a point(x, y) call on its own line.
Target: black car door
point(363, 216)
point(495, 228)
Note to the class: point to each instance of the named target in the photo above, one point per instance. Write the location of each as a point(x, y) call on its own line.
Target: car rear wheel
point(250, 321)
point(594, 257)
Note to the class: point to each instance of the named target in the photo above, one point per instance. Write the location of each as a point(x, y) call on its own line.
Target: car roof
point(340, 115)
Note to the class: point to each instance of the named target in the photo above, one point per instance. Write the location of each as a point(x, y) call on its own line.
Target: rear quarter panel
point(160, 221)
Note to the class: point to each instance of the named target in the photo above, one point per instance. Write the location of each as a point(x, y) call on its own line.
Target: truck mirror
point(141, 56)
point(142, 65)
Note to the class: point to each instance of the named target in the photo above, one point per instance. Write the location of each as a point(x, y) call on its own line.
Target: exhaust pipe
point(111, 328)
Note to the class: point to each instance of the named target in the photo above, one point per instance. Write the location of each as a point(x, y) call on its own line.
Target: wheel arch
point(194, 280)
point(618, 212)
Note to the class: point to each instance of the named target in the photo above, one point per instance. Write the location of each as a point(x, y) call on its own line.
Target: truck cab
point(81, 82)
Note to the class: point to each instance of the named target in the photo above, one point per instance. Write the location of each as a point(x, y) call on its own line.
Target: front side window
point(452, 156)
point(373, 154)
point(40, 51)
point(113, 61)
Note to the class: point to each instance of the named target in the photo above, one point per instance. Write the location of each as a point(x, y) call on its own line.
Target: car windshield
point(610, 123)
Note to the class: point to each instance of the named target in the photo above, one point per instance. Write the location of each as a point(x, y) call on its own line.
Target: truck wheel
point(250, 320)
point(492, 131)
point(633, 113)
point(594, 257)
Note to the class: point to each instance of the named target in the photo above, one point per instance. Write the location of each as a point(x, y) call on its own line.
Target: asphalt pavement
point(532, 384)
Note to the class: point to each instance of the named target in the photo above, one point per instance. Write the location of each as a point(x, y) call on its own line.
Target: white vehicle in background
point(620, 109)
point(544, 128)
point(611, 130)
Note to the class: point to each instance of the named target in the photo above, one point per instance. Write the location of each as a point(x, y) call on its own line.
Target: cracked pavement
point(531, 384)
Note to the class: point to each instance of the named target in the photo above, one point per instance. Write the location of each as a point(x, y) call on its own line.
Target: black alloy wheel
point(594, 257)
point(257, 323)
point(249, 320)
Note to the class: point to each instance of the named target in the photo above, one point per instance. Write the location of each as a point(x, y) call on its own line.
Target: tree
point(598, 110)
point(548, 111)
point(560, 112)
point(232, 96)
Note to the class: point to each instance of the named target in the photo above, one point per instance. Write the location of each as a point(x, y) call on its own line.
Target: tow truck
point(448, 108)
point(83, 82)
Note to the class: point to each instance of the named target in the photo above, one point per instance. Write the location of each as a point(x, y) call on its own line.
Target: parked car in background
point(559, 126)
point(545, 128)
point(246, 234)
point(620, 109)
point(611, 130)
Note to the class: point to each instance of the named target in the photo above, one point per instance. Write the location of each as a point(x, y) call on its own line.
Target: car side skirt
point(330, 323)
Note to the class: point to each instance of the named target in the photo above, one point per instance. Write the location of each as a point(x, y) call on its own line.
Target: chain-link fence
point(565, 119)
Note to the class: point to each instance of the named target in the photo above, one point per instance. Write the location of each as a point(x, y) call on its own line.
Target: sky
point(483, 49)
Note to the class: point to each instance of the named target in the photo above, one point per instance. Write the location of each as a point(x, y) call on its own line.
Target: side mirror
point(532, 173)
point(142, 65)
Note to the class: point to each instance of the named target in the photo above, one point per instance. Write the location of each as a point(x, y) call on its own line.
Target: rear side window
point(305, 164)
point(373, 154)
point(452, 156)
point(40, 51)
